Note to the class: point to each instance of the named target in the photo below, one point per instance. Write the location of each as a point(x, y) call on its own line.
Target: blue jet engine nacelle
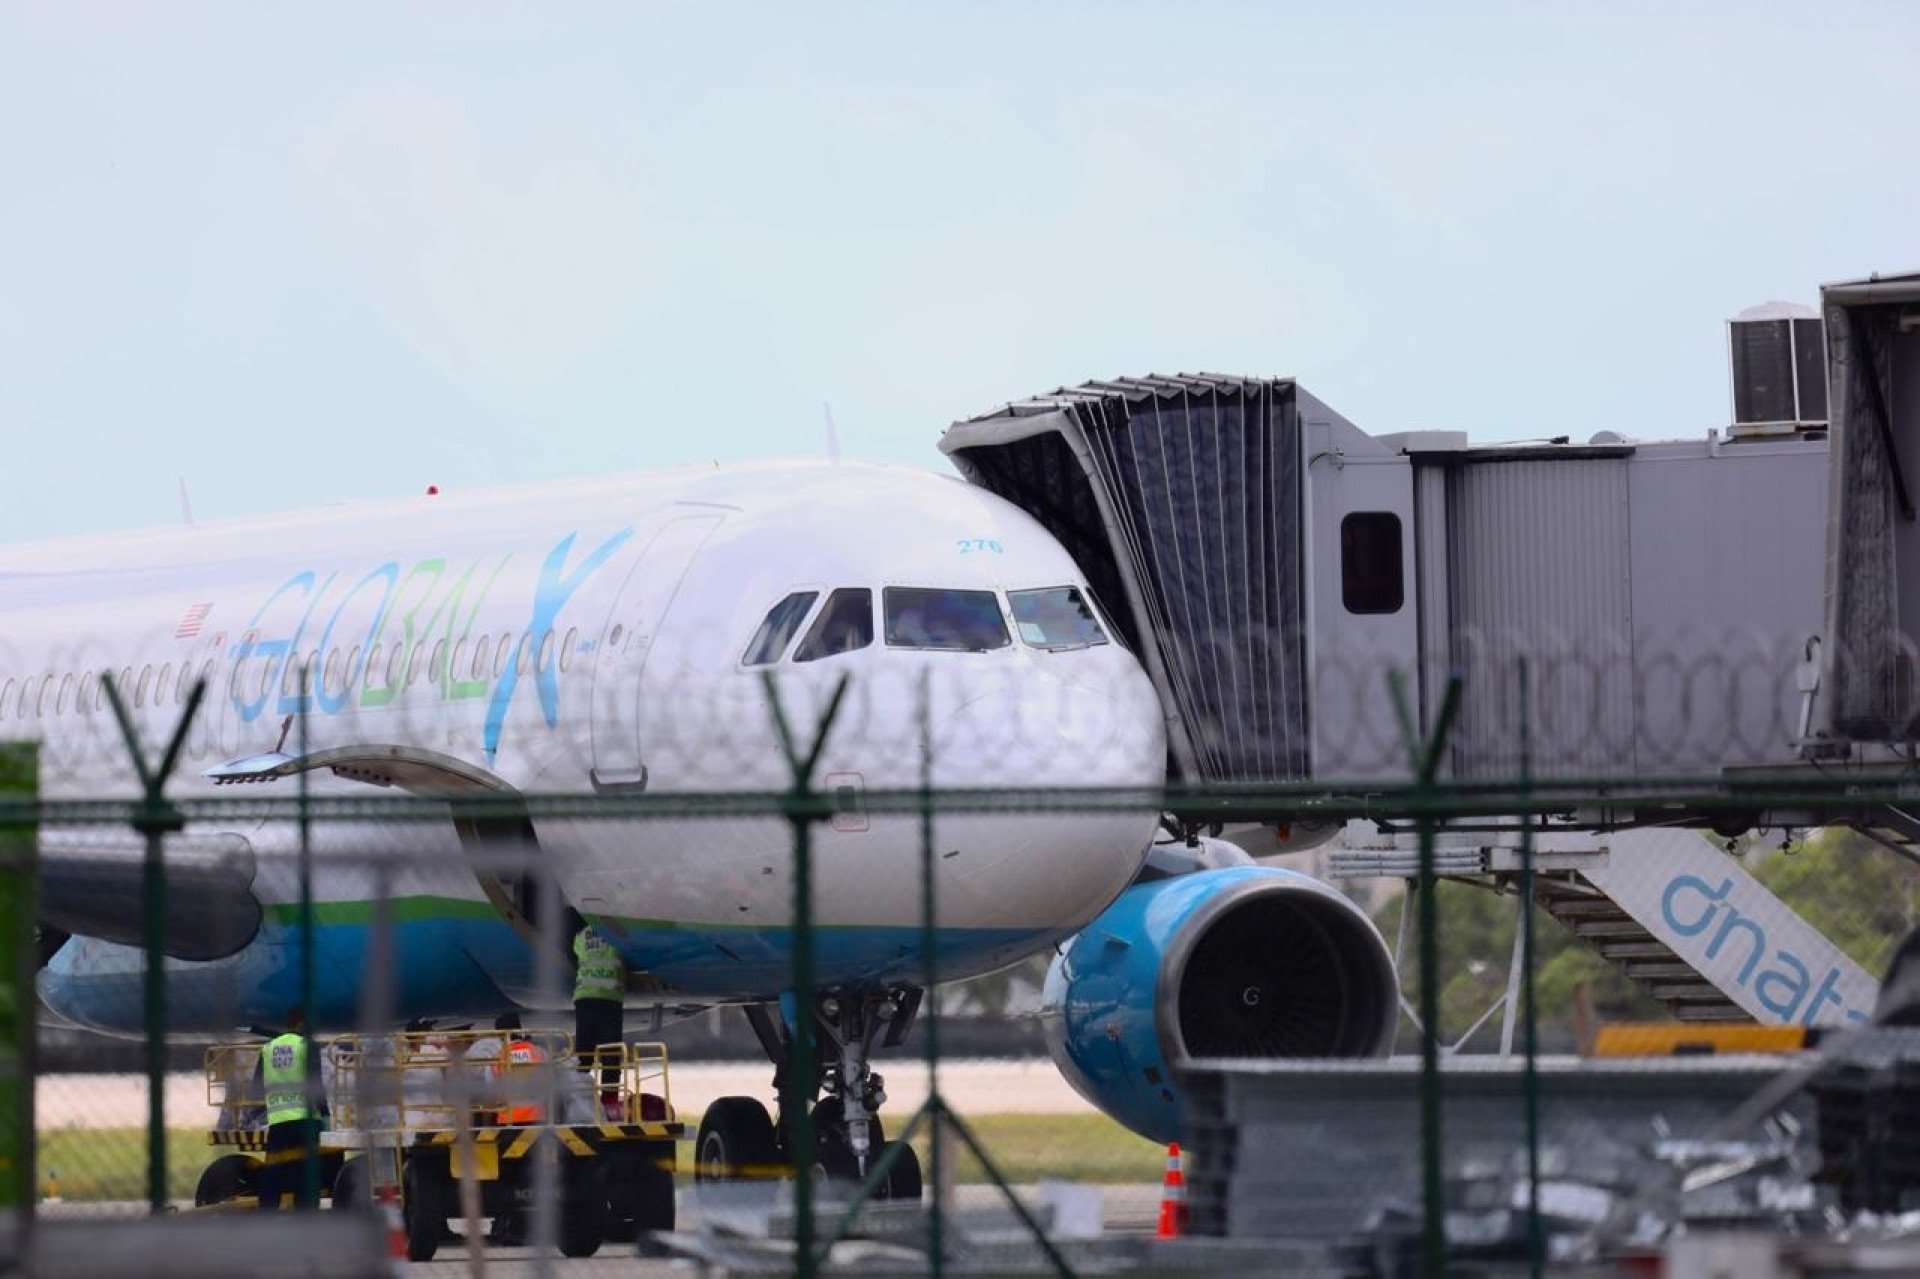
point(1246, 961)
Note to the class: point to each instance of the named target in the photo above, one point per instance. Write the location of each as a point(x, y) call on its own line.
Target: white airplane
point(612, 636)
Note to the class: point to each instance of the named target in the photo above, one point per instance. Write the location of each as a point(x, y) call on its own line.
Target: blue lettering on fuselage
point(435, 613)
point(1690, 906)
point(552, 591)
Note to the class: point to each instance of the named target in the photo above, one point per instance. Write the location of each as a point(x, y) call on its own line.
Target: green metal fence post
point(155, 818)
point(1530, 1077)
point(804, 807)
point(1425, 754)
point(936, 1163)
point(19, 909)
point(310, 1145)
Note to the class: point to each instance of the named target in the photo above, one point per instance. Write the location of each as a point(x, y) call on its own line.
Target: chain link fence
point(1511, 1014)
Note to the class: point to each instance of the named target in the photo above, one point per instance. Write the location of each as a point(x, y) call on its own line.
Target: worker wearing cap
point(599, 992)
point(292, 1129)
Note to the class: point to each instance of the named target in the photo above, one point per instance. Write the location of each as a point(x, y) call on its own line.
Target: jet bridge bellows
point(1180, 499)
point(1873, 587)
point(1271, 563)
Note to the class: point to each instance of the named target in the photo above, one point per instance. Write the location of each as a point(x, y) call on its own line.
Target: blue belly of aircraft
point(450, 967)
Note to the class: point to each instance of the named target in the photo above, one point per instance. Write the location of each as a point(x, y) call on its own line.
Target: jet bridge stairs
point(1667, 907)
point(1563, 890)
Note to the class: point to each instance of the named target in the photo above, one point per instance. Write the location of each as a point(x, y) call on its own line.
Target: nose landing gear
point(739, 1140)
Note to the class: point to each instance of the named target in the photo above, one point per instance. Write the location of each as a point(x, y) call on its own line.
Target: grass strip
point(94, 1164)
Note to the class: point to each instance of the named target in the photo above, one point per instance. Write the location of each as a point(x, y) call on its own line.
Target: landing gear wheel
point(736, 1141)
point(583, 1208)
point(423, 1210)
point(352, 1191)
point(904, 1181)
point(226, 1178)
point(832, 1152)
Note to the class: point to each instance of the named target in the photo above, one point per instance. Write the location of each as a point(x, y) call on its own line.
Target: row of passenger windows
point(1053, 617)
point(392, 667)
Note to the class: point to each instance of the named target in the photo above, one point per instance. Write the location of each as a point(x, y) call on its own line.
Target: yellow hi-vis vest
point(283, 1069)
point(598, 972)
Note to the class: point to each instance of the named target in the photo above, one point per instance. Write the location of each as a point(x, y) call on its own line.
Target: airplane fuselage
point(610, 636)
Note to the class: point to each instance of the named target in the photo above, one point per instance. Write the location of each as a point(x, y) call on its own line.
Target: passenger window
point(778, 628)
point(566, 648)
point(60, 700)
point(546, 651)
point(845, 624)
point(1056, 617)
point(960, 621)
point(1371, 575)
point(502, 654)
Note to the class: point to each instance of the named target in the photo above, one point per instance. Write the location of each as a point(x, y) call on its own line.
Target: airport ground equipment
point(1320, 1151)
point(1867, 1103)
point(424, 1100)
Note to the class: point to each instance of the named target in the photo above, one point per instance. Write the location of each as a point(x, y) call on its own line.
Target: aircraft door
point(626, 641)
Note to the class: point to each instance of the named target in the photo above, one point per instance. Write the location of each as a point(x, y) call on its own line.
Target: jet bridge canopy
point(1180, 498)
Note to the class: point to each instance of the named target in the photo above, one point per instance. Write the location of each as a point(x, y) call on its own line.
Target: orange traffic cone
point(389, 1208)
point(1173, 1197)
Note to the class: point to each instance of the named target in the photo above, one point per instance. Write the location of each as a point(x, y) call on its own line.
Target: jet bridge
point(1272, 563)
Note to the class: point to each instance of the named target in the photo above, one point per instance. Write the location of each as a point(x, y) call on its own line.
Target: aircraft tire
point(351, 1190)
point(583, 1208)
point(228, 1177)
point(904, 1182)
point(736, 1141)
point(423, 1209)
point(832, 1153)
point(655, 1200)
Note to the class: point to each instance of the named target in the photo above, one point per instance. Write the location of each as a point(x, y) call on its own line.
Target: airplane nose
point(1038, 731)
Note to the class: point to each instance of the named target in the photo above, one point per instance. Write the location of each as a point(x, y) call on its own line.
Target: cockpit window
point(846, 623)
point(1055, 617)
point(778, 627)
point(966, 621)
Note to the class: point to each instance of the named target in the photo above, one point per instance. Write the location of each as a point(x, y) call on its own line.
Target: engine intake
point(1248, 961)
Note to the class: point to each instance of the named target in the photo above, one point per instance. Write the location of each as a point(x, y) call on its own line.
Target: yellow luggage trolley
point(437, 1109)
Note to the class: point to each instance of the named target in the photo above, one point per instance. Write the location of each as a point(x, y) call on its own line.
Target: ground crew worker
point(599, 992)
point(292, 1116)
point(518, 1057)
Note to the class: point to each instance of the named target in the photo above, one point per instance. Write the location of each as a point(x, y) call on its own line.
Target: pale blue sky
point(300, 254)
